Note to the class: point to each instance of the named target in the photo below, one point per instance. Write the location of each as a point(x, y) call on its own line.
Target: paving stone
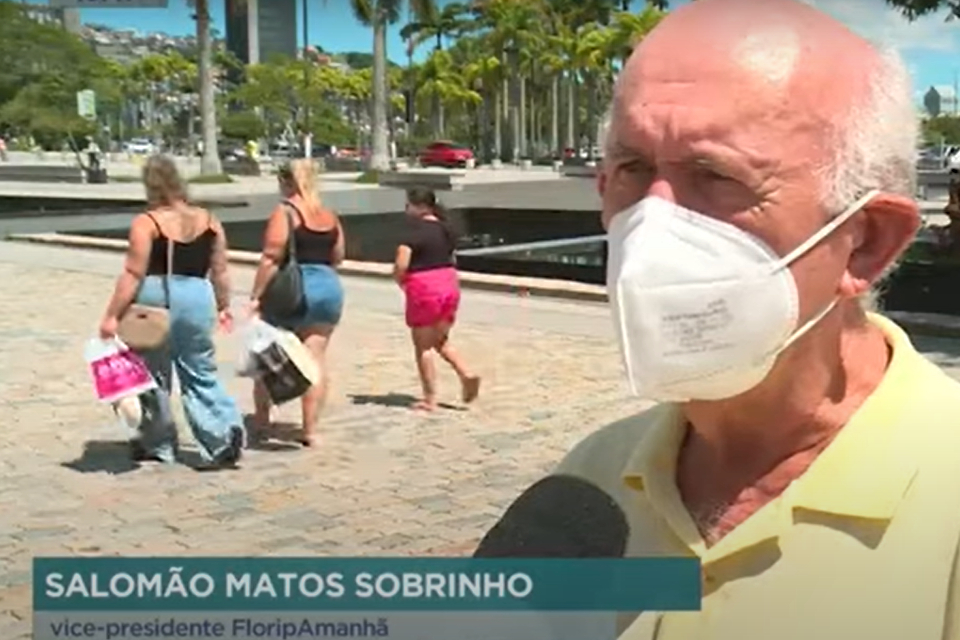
point(384, 480)
point(14, 578)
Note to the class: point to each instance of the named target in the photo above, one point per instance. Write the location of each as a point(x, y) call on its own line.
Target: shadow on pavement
point(109, 456)
point(401, 400)
point(404, 400)
point(279, 436)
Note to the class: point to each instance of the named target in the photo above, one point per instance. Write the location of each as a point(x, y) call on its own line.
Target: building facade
point(68, 19)
point(260, 29)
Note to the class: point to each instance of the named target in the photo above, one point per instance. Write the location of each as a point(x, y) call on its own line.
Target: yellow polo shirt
point(863, 546)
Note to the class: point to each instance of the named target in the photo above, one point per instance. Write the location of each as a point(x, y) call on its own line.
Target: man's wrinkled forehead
point(744, 59)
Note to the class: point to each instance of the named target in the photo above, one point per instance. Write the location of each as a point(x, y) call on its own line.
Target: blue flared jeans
point(211, 413)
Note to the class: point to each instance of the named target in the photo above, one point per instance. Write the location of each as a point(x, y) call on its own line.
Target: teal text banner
point(365, 584)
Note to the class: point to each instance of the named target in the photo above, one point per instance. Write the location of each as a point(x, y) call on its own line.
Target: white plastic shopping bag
point(279, 361)
point(117, 371)
point(256, 336)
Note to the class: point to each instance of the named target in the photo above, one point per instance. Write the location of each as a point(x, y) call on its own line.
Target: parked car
point(140, 146)
point(445, 154)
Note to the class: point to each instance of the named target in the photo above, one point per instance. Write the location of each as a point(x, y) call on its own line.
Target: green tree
point(242, 125)
point(434, 22)
point(914, 9)
point(378, 14)
point(42, 68)
point(944, 129)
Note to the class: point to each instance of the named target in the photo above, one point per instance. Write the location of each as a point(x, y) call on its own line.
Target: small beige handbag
point(143, 327)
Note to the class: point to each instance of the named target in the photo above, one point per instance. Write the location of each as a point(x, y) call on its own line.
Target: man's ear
point(889, 224)
point(601, 181)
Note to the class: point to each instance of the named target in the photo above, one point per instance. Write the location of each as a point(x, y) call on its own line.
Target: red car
point(445, 154)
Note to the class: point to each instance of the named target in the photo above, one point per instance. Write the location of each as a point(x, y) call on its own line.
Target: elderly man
point(758, 180)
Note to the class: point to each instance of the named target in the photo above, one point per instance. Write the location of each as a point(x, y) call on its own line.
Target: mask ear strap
point(828, 228)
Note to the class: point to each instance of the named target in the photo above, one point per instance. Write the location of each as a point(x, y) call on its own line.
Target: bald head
point(785, 65)
point(785, 44)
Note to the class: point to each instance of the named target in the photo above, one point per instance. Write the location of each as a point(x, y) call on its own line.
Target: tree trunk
point(210, 161)
point(523, 133)
point(571, 111)
point(498, 124)
point(555, 116)
point(380, 154)
point(592, 88)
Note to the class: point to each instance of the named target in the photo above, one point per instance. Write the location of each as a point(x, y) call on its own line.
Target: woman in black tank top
point(425, 270)
point(195, 290)
point(317, 240)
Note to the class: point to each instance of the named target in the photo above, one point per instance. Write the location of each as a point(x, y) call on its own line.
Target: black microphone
point(558, 517)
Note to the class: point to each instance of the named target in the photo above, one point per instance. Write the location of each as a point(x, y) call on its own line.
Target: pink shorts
point(433, 296)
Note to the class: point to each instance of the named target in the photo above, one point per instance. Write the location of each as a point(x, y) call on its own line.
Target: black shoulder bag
point(283, 295)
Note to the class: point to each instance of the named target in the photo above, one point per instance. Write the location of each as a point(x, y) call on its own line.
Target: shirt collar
point(863, 473)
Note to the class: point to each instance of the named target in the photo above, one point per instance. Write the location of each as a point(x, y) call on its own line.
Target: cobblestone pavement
point(384, 480)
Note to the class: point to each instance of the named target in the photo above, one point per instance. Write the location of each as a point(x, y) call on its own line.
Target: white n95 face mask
point(702, 308)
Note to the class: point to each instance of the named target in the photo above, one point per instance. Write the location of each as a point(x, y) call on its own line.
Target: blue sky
point(930, 46)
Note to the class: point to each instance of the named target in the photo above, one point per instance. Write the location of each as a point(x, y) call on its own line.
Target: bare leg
point(262, 407)
point(469, 383)
point(424, 341)
point(316, 339)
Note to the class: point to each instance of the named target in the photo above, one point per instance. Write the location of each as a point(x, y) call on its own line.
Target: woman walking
point(177, 259)
point(426, 272)
point(318, 245)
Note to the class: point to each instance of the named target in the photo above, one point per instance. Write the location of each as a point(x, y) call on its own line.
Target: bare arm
point(273, 253)
point(339, 249)
point(219, 271)
point(142, 233)
point(401, 263)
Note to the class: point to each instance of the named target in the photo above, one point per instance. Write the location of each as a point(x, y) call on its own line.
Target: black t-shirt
point(431, 244)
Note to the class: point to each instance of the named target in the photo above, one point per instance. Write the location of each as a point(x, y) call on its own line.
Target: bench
point(933, 185)
point(15, 172)
point(409, 179)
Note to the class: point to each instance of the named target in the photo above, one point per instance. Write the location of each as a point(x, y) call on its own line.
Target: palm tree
point(482, 73)
point(378, 14)
point(445, 84)
point(432, 22)
point(627, 29)
point(511, 26)
point(210, 160)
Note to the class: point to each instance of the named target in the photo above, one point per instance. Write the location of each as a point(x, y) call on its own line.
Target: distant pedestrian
point(426, 272)
point(316, 236)
point(190, 279)
point(3, 149)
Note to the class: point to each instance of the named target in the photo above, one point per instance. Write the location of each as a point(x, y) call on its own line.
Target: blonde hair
point(162, 182)
point(301, 174)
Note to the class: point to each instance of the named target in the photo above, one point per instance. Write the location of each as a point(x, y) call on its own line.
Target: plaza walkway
point(384, 480)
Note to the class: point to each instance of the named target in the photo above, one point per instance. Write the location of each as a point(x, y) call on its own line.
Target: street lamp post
point(307, 67)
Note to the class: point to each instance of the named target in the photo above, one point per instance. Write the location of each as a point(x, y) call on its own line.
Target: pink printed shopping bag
point(117, 371)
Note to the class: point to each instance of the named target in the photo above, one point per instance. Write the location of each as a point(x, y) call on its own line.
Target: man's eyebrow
point(620, 150)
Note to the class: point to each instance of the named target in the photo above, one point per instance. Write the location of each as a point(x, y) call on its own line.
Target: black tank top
point(313, 247)
point(190, 259)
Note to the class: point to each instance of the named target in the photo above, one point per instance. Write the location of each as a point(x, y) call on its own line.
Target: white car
point(140, 146)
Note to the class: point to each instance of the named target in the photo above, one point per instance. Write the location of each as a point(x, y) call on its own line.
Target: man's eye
point(713, 176)
point(636, 166)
